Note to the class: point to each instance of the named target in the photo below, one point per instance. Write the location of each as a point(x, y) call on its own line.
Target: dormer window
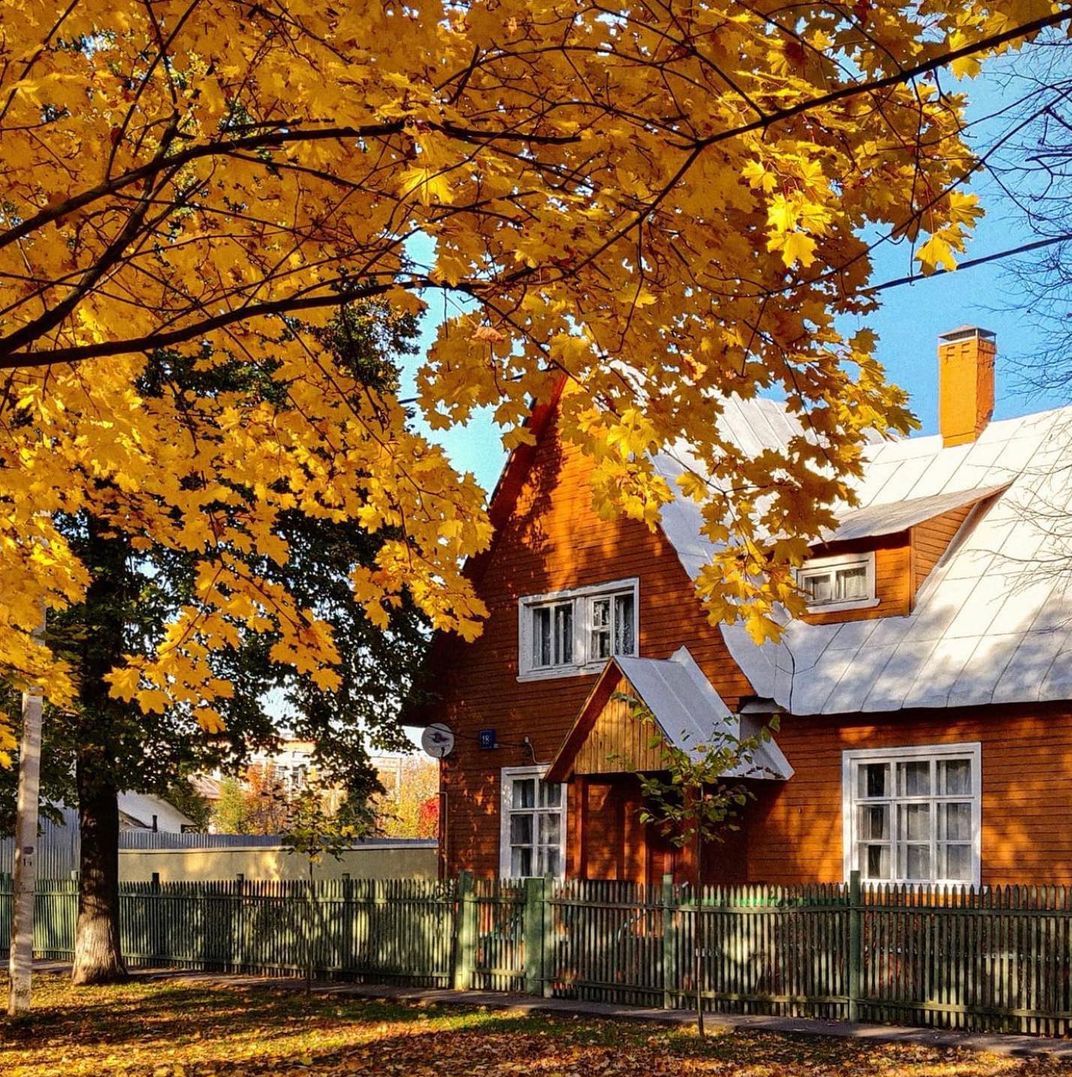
point(845, 582)
point(575, 632)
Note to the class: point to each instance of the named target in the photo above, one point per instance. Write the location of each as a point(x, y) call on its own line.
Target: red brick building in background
point(924, 702)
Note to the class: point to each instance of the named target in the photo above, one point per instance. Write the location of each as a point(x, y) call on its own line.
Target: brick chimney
point(965, 383)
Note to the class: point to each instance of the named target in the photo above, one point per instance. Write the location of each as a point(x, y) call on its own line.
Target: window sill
point(841, 607)
point(562, 672)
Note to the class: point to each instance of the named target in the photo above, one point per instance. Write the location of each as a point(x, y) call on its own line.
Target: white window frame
point(849, 761)
point(506, 782)
point(842, 560)
point(582, 599)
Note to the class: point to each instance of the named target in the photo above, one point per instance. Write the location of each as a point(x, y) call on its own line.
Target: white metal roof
point(691, 714)
point(139, 808)
point(874, 521)
point(993, 621)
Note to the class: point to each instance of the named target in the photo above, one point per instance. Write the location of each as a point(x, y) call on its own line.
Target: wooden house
point(924, 702)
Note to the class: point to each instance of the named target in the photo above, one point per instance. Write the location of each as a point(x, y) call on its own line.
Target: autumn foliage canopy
point(664, 203)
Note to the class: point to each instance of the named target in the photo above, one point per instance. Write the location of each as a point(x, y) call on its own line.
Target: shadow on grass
point(141, 1027)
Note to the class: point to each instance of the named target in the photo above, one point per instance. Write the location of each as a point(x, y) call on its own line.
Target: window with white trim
point(913, 815)
point(552, 635)
point(533, 824)
point(838, 583)
point(573, 632)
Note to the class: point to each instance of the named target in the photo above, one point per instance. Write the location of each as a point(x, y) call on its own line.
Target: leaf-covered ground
point(175, 1029)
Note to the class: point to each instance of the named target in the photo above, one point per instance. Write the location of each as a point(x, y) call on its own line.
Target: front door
point(663, 857)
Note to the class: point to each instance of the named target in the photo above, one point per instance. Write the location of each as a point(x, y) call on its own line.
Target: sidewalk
point(991, 1042)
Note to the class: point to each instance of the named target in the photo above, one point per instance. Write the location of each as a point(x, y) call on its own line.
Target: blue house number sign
point(487, 738)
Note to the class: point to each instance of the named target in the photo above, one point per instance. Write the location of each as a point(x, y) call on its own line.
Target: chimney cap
point(966, 332)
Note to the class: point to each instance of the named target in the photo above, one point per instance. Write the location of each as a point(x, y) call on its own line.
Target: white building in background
point(58, 844)
point(144, 811)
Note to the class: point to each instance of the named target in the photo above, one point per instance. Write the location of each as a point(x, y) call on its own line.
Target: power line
point(903, 75)
point(971, 263)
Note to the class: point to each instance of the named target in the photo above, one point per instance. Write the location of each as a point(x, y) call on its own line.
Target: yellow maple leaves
point(428, 183)
point(948, 239)
point(209, 181)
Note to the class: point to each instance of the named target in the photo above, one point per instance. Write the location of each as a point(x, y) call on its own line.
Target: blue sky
point(909, 322)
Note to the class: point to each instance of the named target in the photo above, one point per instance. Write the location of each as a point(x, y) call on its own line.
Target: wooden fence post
point(534, 932)
point(465, 933)
point(855, 970)
point(347, 954)
point(547, 958)
point(238, 926)
point(669, 945)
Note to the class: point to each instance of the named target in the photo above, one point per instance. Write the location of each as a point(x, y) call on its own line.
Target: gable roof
point(684, 705)
point(991, 623)
point(511, 479)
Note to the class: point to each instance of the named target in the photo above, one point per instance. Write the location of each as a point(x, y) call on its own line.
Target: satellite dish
point(437, 740)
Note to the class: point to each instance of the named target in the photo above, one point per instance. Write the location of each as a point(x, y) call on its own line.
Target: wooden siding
point(791, 832)
point(604, 857)
point(931, 539)
point(619, 741)
point(552, 540)
point(902, 562)
point(794, 830)
point(893, 578)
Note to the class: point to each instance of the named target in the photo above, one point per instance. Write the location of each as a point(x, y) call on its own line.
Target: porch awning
point(608, 738)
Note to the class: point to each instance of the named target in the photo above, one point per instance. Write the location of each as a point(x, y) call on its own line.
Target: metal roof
point(992, 623)
point(691, 714)
point(877, 520)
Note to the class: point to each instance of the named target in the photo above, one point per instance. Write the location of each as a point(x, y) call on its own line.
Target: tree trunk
point(98, 956)
point(26, 813)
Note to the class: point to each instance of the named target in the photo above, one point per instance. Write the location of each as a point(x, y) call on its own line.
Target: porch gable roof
point(685, 707)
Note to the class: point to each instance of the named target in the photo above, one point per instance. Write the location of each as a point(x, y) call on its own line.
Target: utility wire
point(970, 263)
point(912, 278)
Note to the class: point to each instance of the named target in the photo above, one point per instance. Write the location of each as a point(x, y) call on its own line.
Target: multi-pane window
point(533, 824)
point(552, 635)
point(611, 618)
point(913, 814)
point(576, 631)
point(838, 581)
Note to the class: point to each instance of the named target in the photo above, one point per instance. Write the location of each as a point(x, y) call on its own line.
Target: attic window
point(575, 632)
point(845, 582)
point(552, 635)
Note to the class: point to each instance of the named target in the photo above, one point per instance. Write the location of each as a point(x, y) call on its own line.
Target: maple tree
point(664, 205)
point(254, 803)
point(99, 746)
point(410, 809)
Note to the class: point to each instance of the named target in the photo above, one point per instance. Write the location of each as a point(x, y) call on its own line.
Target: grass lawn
point(172, 1029)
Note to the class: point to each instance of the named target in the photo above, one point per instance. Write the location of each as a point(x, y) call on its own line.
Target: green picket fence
point(385, 931)
point(995, 959)
point(491, 935)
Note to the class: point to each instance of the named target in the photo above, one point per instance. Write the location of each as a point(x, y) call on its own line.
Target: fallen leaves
point(182, 1029)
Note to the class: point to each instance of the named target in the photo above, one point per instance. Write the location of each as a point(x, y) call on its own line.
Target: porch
point(641, 716)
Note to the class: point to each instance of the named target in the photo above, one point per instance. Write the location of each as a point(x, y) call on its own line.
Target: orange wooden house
point(925, 703)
